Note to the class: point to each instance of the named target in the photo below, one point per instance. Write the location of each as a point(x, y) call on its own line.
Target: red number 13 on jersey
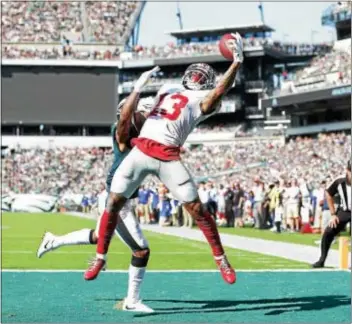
point(174, 104)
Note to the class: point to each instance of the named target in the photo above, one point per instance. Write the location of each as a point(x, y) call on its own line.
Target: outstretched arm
point(127, 110)
point(214, 97)
point(124, 123)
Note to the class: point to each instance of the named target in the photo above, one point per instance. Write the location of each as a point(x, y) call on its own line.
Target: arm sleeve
point(332, 188)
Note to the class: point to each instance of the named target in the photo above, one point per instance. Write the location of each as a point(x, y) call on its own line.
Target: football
point(225, 47)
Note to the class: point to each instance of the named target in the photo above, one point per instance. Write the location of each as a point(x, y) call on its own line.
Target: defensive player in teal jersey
point(131, 114)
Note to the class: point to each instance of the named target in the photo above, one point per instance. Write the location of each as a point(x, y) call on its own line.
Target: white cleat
point(46, 245)
point(137, 307)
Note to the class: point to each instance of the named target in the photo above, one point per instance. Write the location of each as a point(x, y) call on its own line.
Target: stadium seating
point(26, 25)
point(39, 21)
point(330, 69)
point(83, 170)
point(55, 171)
point(108, 21)
point(46, 22)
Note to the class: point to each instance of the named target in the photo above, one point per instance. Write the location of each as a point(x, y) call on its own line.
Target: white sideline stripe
point(178, 271)
point(264, 259)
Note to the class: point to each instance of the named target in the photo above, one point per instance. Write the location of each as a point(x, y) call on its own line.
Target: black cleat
point(318, 265)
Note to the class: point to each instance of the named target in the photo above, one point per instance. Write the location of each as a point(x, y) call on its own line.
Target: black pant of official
point(330, 233)
point(229, 214)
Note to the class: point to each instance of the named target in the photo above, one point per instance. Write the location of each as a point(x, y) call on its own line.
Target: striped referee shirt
point(340, 186)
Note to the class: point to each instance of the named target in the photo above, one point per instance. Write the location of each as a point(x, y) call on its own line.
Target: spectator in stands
point(238, 204)
point(187, 218)
point(154, 203)
point(175, 205)
point(203, 193)
point(66, 47)
point(143, 200)
point(165, 209)
point(212, 198)
point(221, 205)
point(272, 197)
point(85, 204)
point(293, 196)
point(248, 209)
point(259, 194)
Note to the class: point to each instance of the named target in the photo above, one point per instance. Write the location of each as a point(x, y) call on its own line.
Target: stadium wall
point(30, 203)
point(46, 142)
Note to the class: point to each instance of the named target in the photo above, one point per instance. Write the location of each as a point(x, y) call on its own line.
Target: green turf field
point(22, 234)
point(184, 295)
point(298, 238)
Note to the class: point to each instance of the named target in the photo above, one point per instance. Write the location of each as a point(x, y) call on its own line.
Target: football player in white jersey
point(177, 111)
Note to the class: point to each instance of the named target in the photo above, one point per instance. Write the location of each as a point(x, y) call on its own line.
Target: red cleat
point(96, 266)
point(227, 272)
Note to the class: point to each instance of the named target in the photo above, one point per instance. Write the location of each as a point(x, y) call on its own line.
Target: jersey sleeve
point(169, 88)
point(332, 188)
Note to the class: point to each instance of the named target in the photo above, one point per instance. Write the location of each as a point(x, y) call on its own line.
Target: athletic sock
point(107, 227)
point(82, 236)
point(207, 225)
point(135, 279)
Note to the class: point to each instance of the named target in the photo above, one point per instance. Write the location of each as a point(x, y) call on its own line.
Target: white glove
point(144, 78)
point(237, 47)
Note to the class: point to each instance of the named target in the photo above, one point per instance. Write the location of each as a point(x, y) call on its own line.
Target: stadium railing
point(252, 85)
point(321, 128)
point(46, 142)
point(154, 86)
point(307, 96)
point(81, 51)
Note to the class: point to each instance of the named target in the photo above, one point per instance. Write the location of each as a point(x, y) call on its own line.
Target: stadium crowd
point(29, 23)
point(304, 161)
point(331, 69)
point(45, 21)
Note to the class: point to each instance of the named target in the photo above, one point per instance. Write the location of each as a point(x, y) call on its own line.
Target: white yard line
point(110, 252)
point(290, 251)
point(176, 271)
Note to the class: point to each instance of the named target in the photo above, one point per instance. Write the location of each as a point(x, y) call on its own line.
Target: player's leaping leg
point(184, 188)
point(52, 242)
point(129, 231)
